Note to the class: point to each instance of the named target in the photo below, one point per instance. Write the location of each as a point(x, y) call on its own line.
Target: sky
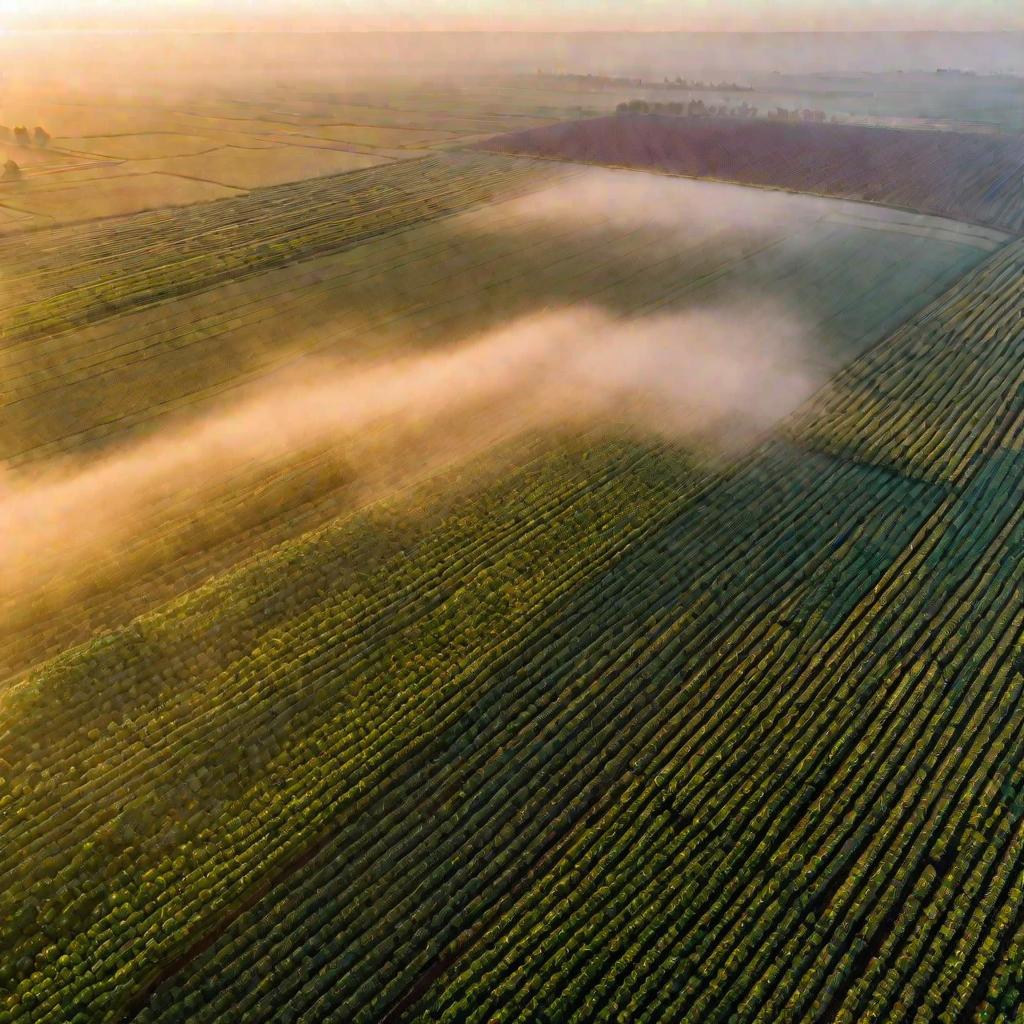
point(523, 15)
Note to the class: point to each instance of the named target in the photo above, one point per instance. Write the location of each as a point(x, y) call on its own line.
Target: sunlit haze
point(532, 15)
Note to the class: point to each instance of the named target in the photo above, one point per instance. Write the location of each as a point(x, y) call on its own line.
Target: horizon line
point(140, 30)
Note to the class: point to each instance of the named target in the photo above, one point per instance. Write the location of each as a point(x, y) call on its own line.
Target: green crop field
point(586, 819)
point(342, 682)
point(80, 380)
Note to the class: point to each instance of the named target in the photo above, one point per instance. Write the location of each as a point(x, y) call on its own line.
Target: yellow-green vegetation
point(141, 146)
point(108, 196)
point(253, 168)
point(614, 734)
point(105, 349)
point(179, 342)
point(119, 264)
point(487, 802)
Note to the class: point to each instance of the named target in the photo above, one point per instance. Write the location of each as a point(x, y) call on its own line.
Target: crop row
point(783, 786)
point(880, 879)
point(127, 371)
point(74, 389)
point(603, 690)
point(191, 249)
point(42, 260)
point(142, 808)
point(942, 390)
point(618, 740)
point(171, 546)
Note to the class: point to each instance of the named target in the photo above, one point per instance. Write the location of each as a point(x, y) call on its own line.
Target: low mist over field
point(675, 208)
point(713, 378)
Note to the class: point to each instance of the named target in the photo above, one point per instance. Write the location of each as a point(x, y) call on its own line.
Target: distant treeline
point(21, 135)
point(698, 108)
point(615, 82)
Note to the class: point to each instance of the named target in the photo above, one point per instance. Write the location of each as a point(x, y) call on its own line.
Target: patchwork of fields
point(978, 178)
point(582, 724)
point(79, 378)
point(109, 156)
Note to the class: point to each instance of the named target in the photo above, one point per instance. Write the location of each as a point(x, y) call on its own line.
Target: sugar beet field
point(589, 728)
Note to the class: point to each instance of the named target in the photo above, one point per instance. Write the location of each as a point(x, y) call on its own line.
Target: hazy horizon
point(343, 56)
point(524, 15)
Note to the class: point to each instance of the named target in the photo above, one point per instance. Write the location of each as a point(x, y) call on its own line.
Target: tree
point(12, 172)
point(42, 136)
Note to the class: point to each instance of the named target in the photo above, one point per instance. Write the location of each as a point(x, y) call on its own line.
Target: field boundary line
point(741, 184)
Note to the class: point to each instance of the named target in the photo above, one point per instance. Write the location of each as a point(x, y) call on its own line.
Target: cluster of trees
point(694, 108)
point(611, 81)
point(39, 136)
point(698, 86)
point(814, 116)
point(615, 81)
point(698, 108)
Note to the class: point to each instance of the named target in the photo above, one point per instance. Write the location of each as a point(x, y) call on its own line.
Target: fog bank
point(712, 378)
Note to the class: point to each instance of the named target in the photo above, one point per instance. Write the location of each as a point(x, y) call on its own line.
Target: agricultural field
point(972, 177)
point(80, 381)
point(142, 146)
point(176, 150)
point(464, 560)
point(55, 199)
point(820, 256)
point(374, 135)
point(580, 588)
point(245, 168)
